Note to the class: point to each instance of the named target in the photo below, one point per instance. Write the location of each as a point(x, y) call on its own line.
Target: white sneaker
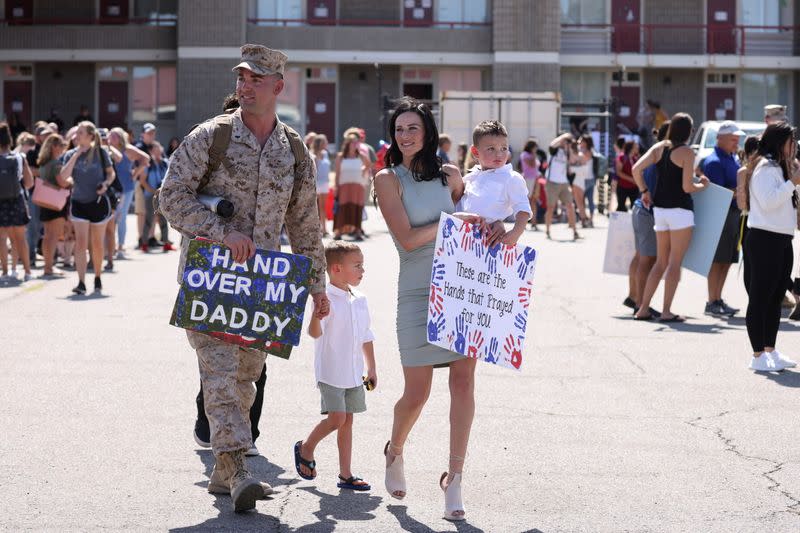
point(765, 363)
point(252, 452)
point(782, 359)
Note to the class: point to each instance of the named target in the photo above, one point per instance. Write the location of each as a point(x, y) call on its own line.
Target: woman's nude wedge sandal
point(395, 478)
point(453, 506)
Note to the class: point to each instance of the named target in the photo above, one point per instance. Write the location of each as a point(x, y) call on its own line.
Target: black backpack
point(10, 187)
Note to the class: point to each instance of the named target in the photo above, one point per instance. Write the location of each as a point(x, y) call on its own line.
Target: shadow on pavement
point(85, 297)
point(226, 519)
point(410, 524)
point(785, 378)
point(345, 506)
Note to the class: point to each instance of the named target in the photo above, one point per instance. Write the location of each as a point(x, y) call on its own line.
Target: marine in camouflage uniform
point(267, 193)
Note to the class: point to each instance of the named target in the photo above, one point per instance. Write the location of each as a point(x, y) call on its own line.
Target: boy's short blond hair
point(336, 251)
point(488, 127)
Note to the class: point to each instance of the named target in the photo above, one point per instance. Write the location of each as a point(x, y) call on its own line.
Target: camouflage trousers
point(228, 374)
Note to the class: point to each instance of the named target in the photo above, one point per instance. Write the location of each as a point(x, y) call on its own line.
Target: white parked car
point(706, 137)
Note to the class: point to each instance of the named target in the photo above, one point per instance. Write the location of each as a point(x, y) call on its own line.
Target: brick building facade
point(168, 61)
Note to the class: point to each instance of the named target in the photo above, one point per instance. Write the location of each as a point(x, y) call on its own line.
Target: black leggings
point(623, 194)
point(768, 258)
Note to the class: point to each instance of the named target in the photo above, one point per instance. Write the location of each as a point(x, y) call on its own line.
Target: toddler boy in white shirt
point(494, 190)
point(343, 344)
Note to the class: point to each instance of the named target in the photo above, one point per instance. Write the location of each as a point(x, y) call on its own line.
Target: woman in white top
point(319, 149)
point(583, 173)
point(351, 167)
point(772, 201)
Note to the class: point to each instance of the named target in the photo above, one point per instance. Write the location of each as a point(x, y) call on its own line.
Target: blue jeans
point(33, 232)
point(588, 192)
point(121, 216)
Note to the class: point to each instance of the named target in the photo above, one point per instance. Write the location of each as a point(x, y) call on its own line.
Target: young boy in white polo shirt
point(343, 345)
point(494, 190)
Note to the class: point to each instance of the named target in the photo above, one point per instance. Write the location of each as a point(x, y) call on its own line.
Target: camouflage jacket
point(260, 183)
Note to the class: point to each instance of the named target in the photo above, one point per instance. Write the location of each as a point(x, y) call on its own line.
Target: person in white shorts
point(673, 211)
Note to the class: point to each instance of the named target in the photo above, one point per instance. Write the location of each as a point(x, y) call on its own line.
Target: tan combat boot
point(220, 482)
point(230, 476)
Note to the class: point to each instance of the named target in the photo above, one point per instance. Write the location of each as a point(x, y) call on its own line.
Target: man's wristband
point(644, 191)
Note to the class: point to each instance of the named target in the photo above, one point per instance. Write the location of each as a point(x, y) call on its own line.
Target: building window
point(18, 71)
point(112, 73)
point(583, 87)
point(583, 11)
point(721, 78)
point(157, 12)
point(289, 100)
point(469, 11)
point(761, 13)
point(758, 90)
point(278, 12)
point(154, 93)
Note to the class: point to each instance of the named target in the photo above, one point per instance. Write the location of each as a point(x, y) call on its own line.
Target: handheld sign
point(620, 244)
point(710, 210)
point(479, 295)
point(259, 304)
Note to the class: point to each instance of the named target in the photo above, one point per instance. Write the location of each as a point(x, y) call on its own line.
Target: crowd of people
point(77, 185)
point(762, 175)
point(65, 197)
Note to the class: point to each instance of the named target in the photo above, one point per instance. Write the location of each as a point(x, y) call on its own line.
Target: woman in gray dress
point(412, 192)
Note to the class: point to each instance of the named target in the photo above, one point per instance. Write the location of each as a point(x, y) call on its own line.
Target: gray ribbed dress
point(424, 202)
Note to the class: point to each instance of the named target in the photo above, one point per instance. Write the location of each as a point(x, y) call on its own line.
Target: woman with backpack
point(89, 166)
point(772, 200)
point(15, 177)
point(151, 182)
point(125, 156)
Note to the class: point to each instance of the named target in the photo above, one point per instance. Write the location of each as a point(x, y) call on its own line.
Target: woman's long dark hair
point(426, 165)
point(770, 145)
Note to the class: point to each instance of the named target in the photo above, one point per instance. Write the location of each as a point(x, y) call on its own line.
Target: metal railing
point(162, 20)
point(390, 23)
point(730, 39)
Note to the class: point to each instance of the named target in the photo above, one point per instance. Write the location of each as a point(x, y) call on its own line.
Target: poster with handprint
point(479, 295)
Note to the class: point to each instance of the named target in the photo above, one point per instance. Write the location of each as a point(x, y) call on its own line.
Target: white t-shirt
point(557, 168)
point(495, 193)
point(339, 351)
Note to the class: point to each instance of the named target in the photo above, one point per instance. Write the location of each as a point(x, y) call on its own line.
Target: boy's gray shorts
point(338, 400)
point(644, 234)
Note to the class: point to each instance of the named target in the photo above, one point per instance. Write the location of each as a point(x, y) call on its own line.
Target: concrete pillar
point(203, 83)
point(522, 26)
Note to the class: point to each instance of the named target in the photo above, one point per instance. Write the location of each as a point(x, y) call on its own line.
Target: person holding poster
point(673, 212)
point(412, 192)
point(269, 186)
point(771, 187)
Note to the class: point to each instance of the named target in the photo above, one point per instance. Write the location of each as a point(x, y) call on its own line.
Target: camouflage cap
point(775, 112)
point(262, 60)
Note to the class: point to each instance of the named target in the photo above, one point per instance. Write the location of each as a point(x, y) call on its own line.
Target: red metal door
point(321, 108)
point(113, 102)
point(321, 12)
point(417, 12)
point(626, 18)
point(720, 103)
point(17, 100)
point(19, 11)
point(114, 11)
point(721, 34)
point(628, 105)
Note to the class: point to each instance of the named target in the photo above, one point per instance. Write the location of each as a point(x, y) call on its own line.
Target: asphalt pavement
point(611, 425)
